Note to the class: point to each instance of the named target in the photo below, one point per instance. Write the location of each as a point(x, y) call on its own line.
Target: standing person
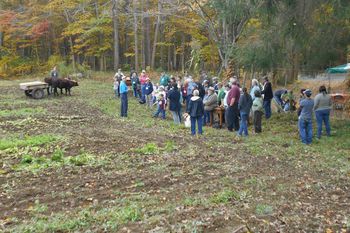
point(268, 95)
point(209, 105)
point(195, 109)
point(135, 83)
point(54, 79)
point(255, 87)
point(215, 82)
point(164, 80)
point(322, 108)
point(191, 86)
point(148, 92)
point(305, 118)
point(143, 78)
point(54, 73)
point(123, 89)
point(221, 93)
point(301, 97)
point(174, 103)
point(118, 76)
point(258, 111)
point(244, 105)
point(232, 113)
point(116, 88)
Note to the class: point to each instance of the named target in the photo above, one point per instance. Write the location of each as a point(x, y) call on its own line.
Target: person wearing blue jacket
point(195, 109)
point(148, 92)
point(123, 88)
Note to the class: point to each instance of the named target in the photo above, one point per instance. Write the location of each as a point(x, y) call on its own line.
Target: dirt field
point(70, 164)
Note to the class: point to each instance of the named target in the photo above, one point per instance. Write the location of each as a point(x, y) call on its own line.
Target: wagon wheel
point(28, 93)
point(38, 93)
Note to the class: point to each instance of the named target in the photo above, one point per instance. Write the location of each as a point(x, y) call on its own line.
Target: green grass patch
point(58, 159)
point(22, 112)
point(27, 141)
point(148, 149)
point(108, 219)
point(224, 197)
point(263, 209)
point(152, 148)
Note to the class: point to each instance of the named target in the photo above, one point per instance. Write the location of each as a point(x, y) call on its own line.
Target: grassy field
point(71, 164)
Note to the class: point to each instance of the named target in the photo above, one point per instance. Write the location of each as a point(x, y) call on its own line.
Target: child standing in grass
point(161, 106)
point(258, 111)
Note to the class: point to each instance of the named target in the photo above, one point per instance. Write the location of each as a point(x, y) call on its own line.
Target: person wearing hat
point(124, 98)
point(210, 103)
point(195, 109)
point(305, 118)
point(268, 95)
point(143, 78)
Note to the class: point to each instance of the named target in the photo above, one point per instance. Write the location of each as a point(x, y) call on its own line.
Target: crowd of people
point(186, 98)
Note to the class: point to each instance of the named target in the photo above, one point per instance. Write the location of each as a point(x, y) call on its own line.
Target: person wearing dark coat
point(195, 109)
point(268, 95)
point(244, 105)
point(174, 103)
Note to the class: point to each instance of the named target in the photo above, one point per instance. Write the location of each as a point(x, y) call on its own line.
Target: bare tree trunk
point(146, 37)
point(135, 37)
point(156, 35)
point(183, 53)
point(161, 39)
point(174, 59)
point(116, 34)
point(169, 58)
point(72, 51)
point(142, 44)
point(71, 42)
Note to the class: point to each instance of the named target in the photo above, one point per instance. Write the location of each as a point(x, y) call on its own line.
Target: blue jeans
point(199, 121)
point(305, 130)
point(267, 108)
point(206, 118)
point(244, 124)
point(116, 92)
point(135, 91)
point(176, 117)
point(124, 104)
point(278, 100)
point(143, 91)
point(323, 116)
point(159, 110)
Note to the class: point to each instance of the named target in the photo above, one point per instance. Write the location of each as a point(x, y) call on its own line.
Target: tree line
point(245, 37)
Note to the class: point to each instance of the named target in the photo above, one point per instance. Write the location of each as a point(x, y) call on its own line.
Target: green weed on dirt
point(90, 218)
point(22, 112)
point(27, 141)
point(58, 159)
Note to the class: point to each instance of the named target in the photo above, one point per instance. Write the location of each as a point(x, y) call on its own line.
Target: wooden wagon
point(340, 100)
point(34, 89)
